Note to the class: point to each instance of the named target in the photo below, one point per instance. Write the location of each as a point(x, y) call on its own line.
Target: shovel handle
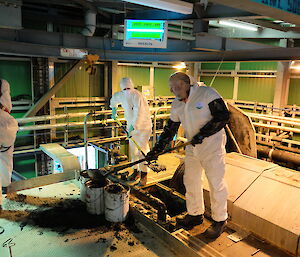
point(130, 164)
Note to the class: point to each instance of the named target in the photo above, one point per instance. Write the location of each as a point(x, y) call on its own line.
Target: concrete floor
point(34, 241)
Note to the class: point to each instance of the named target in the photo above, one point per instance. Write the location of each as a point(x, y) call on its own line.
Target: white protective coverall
point(209, 155)
point(8, 131)
point(137, 114)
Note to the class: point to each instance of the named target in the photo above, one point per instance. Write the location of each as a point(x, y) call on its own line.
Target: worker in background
point(203, 115)
point(8, 131)
point(139, 125)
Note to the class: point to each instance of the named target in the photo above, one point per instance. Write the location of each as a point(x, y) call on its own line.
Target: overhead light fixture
point(168, 5)
point(238, 24)
point(295, 65)
point(180, 66)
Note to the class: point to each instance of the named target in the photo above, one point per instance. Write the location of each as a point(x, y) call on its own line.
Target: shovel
point(107, 170)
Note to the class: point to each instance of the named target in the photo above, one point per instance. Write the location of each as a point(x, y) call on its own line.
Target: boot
point(189, 221)
point(134, 176)
point(143, 180)
point(215, 230)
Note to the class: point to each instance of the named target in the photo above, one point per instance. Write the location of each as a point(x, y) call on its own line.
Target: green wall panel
point(257, 89)
point(81, 84)
point(139, 75)
point(215, 65)
point(258, 66)
point(17, 73)
point(224, 85)
point(161, 81)
point(294, 92)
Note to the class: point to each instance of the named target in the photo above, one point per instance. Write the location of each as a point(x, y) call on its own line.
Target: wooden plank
point(40, 181)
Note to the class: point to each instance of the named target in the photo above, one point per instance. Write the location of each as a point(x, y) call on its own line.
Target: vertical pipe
point(85, 131)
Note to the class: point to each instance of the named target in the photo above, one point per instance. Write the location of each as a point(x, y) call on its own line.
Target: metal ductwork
point(90, 23)
point(10, 14)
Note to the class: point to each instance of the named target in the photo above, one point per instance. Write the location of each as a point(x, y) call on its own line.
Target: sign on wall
point(145, 33)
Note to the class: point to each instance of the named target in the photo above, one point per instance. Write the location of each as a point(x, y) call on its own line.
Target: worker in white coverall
point(139, 125)
point(203, 115)
point(8, 131)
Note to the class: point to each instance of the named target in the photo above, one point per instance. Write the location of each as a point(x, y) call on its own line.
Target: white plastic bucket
point(116, 198)
point(94, 197)
point(82, 180)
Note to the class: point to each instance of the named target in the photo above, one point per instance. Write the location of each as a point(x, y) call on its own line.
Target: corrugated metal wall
point(81, 84)
point(258, 66)
point(139, 75)
point(224, 85)
point(260, 89)
point(257, 89)
point(18, 75)
point(161, 81)
point(294, 92)
point(215, 65)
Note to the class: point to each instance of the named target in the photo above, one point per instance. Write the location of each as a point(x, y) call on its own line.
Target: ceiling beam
point(264, 33)
point(219, 11)
point(255, 7)
point(215, 43)
point(49, 44)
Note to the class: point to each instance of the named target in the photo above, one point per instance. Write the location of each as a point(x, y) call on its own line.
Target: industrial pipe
point(279, 155)
point(72, 115)
point(90, 23)
point(85, 131)
point(75, 124)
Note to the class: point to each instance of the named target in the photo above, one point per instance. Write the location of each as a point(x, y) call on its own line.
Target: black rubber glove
point(166, 137)
point(220, 114)
point(197, 139)
point(153, 154)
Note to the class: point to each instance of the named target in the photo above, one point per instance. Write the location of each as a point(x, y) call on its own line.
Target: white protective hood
point(5, 98)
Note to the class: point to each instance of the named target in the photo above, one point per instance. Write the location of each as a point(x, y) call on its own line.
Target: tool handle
point(130, 164)
point(130, 137)
point(147, 159)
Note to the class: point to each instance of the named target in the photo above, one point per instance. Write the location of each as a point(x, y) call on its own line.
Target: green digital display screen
point(145, 29)
point(145, 33)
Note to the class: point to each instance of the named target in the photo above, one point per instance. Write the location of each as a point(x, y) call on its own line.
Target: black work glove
point(197, 139)
point(153, 154)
